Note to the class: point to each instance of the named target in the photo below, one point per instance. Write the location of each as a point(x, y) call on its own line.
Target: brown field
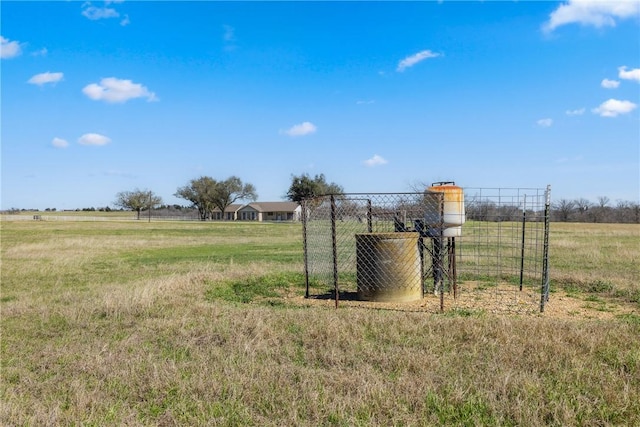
point(134, 323)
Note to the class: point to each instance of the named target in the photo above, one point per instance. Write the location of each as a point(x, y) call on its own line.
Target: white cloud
point(41, 52)
point(589, 12)
point(412, 60)
point(545, 123)
point(59, 143)
point(609, 84)
point(93, 139)
point(614, 107)
point(363, 102)
point(229, 37)
point(629, 75)
point(301, 129)
point(578, 112)
point(229, 33)
point(376, 160)
point(9, 49)
point(44, 78)
point(95, 13)
point(115, 90)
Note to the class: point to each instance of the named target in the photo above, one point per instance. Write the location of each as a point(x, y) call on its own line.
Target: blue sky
point(102, 97)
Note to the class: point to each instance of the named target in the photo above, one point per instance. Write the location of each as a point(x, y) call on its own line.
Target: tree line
point(210, 196)
point(582, 210)
point(563, 210)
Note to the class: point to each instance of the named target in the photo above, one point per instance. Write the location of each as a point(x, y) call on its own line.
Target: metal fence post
point(544, 291)
point(440, 260)
point(453, 274)
point(524, 222)
point(334, 248)
point(305, 247)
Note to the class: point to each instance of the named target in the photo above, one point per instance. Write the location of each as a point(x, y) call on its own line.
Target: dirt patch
point(498, 299)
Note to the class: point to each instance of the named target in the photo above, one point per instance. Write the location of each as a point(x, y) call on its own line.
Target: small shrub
point(600, 286)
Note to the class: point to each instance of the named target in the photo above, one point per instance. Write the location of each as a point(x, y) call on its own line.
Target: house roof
point(231, 208)
point(273, 206)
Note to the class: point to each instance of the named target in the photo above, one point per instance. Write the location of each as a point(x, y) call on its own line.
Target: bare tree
point(582, 205)
point(563, 209)
point(603, 201)
point(137, 200)
point(626, 212)
point(600, 212)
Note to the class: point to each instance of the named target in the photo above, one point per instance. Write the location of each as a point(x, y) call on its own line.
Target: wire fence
point(155, 215)
point(68, 218)
point(397, 248)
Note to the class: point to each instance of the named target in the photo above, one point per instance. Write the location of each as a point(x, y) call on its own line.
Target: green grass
point(258, 287)
point(136, 323)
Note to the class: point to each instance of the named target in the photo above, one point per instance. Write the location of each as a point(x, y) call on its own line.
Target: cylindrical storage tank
point(452, 231)
point(389, 267)
point(453, 216)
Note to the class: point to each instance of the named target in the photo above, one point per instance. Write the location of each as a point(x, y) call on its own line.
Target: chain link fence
point(393, 248)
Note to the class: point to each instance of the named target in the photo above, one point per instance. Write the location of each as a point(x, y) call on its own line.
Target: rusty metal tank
point(389, 267)
point(453, 216)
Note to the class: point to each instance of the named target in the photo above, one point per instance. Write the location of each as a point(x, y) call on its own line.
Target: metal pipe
point(334, 248)
point(305, 248)
point(440, 255)
point(435, 263)
point(453, 274)
point(524, 222)
point(544, 291)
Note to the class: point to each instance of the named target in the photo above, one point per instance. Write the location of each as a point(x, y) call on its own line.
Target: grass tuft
point(249, 289)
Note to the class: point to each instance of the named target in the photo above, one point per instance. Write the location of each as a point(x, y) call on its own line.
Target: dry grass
point(600, 260)
point(108, 324)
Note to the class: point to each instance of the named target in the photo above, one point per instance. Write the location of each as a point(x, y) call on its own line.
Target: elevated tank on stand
point(443, 226)
point(453, 216)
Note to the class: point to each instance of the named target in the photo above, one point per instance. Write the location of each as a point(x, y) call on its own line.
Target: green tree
point(206, 194)
point(304, 187)
point(199, 192)
point(230, 190)
point(137, 200)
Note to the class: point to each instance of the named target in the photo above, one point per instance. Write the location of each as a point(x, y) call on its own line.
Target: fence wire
point(391, 248)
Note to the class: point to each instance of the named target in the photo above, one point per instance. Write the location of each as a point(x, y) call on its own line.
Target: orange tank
point(454, 213)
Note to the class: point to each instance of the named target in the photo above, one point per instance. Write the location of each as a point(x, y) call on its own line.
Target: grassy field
point(169, 323)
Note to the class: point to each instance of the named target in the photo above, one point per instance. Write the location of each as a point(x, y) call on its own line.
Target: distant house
point(230, 214)
point(269, 211)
